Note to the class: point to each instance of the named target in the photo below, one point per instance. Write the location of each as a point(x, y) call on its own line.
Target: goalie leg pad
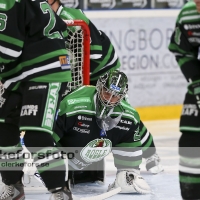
point(130, 182)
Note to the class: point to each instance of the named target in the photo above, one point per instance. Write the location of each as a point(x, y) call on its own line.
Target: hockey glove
point(130, 181)
point(153, 164)
point(194, 89)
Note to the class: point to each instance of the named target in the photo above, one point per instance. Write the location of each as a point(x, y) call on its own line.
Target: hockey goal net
point(78, 46)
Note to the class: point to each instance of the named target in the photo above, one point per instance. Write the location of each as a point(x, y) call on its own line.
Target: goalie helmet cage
point(78, 46)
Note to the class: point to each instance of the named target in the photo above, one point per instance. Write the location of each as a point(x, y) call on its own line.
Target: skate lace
point(6, 191)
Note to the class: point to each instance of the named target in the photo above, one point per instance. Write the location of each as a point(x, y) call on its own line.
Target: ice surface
point(165, 186)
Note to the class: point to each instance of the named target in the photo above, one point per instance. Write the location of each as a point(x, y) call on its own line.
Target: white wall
point(141, 38)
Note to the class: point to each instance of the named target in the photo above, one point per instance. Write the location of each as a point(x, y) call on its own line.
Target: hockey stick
point(99, 197)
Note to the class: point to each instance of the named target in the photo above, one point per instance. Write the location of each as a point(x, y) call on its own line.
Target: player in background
point(33, 76)
point(103, 54)
point(93, 121)
point(185, 44)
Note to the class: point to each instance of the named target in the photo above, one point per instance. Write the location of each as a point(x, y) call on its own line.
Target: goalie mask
point(111, 89)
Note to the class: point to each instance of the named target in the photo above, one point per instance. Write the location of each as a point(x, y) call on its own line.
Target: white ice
point(165, 186)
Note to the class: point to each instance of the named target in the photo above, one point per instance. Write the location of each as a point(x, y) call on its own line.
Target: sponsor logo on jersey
point(194, 39)
point(50, 109)
point(125, 122)
point(96, 150)
point(78, 100)
point(3, 5)
point(81, 130)
point(189, 110)
point(128, 111)
point(80, 107)
point(122, 128)
point(79, 164)
point(38, 87)
point(191, 26)
point(83, 125)
point(29, 110)
point(190, 33)
point(84, 118)
point(65, 62)
point(115, 88)
point(137, 136)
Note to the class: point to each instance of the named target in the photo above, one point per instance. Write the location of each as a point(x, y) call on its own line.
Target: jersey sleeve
point(128, 153)
point(186, 55)
point(148, 147)
point(12, 30)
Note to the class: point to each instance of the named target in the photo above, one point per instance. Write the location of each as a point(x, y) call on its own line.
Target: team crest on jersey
point(96, 150)
point(137, 134)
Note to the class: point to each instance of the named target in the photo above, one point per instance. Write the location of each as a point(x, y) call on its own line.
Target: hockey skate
point(153, 164)
point(12, 192)
point(61, 194)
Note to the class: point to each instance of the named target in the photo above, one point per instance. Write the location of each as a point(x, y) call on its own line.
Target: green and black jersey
point(185, 41)
point(32, 43)
point(78, 128)
point(102, 53)
point(185, 44)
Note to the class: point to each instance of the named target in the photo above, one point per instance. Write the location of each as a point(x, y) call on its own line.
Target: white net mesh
point(75, 48)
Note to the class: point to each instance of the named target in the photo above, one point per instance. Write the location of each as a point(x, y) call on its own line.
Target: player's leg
point(39, 109)
point(189, 149)
point(11, 162)
point(189, 165)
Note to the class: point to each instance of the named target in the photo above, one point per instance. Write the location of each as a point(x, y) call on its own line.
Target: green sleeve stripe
point(148, 144)
point(34, 61)
point(105, 60)
point(143, 131)
point(133, 144)
point(188, 179)
point(65, 33)
point(11, 40)
point(96, 47)
point(174, 47)
point(182, 61)
point(127, 163)
point(189, 128)
point(2, 60)
point(117, 66)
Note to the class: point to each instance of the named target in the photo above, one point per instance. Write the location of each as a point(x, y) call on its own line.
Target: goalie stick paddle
point(99, 197)
point(96, 197)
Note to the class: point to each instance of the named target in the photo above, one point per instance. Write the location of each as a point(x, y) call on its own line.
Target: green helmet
point(111, 89)
point(114, 84)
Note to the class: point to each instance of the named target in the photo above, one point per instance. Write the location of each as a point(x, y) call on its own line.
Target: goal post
point(78, 45)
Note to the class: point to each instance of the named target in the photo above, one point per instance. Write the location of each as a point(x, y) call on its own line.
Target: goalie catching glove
point(130, 181)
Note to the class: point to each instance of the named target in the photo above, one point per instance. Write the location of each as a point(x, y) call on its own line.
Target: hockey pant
point(31, 108)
